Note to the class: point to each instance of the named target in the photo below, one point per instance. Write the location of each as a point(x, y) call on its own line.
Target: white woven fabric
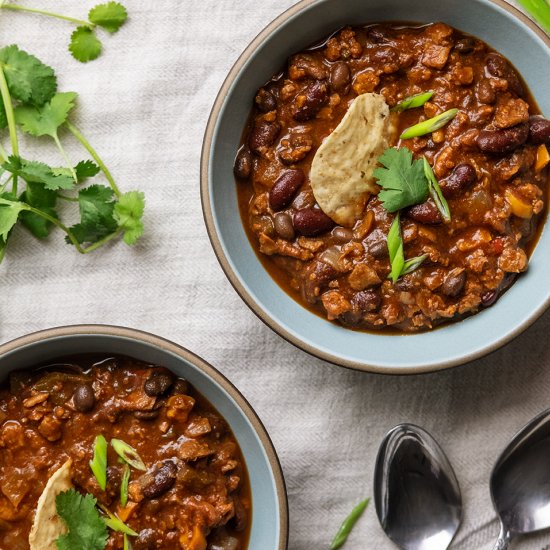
point(144, 105)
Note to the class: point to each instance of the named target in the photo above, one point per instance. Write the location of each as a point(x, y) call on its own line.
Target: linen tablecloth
point(144, 105)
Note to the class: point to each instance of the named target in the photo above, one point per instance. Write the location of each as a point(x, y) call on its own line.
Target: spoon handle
point(504, 539)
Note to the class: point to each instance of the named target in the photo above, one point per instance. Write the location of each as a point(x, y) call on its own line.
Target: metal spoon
point(520, 482)
point(416, 493)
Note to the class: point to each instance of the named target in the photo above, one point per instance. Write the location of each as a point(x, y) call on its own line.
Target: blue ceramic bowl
point(494, 21)
point(269, 502)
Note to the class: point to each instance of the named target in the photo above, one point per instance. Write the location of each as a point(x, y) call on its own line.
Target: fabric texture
point(144, 105)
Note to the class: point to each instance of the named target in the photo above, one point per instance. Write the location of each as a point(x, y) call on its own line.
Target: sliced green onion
point(395, 249)
point(116, 524)
point(540, 11)
point(348, 524)
point(127, 543)
point(413, 101)
point(430, 125)
point(128, 454)
point(99, 463)
point(124, 485)
point(436, 193)
point(413, 264)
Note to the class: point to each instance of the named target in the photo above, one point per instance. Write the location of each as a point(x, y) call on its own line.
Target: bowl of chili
point(110, 403)
point(294, 94)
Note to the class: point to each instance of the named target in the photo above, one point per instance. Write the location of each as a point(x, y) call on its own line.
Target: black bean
point(485, 93)
point(377, 244)
point(489, 297)
point(146, 540)
point(160, 480)
point(342, 234)
point(285, 188)
point(114, 480)
point(367, 300)
point(243, 164)
point(340, 77)
point(181, 386)
point(503, 141)
point(465, 45)
point(158, 384)
point(283, 225)
point(426, 213)
point(319, 274)
point(311, 222)
point(147, 415)
point(453, 285)
point(462, 177)
point(263, 135)
point(265, 101)
point(84, 398)
point(498, 66)
point(539, 130)
point(377, 35)
point(316, 96)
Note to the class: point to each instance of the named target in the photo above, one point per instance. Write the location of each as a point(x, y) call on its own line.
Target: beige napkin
point(144, 105)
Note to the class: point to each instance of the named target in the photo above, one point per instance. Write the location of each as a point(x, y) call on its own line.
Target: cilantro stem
point(5, 184)
point(3, 154)
point(10, 116)
point(65, 156)
point(71, 235)
point(47, 13)
point(86, 144)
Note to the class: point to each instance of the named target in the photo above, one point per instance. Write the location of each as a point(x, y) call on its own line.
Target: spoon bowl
point(416, 492)
point(520, 482)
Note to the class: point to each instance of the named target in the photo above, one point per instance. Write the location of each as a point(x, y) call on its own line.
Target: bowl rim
point(166, 345)
point(234, 278)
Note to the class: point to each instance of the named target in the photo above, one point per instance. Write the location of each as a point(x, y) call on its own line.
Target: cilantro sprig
point(86, 527)
point(85, 45)
point(29, 102)
point(406, 182)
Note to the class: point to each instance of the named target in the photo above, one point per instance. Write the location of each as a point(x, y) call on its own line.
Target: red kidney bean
point(498, 66)
point(503, 141)
point(489, 297)
point(316, 96)
point(265, 101)
point(311, 222)
point(426, 213)
point(462, 177)
point(283, 226)
point(340, 77)
point(367, 300)
point(453, 285)
point(465, 45)
point(243, 164)
point(263, 135)
point(160, 480)
point(539, 130)
point(285, 188)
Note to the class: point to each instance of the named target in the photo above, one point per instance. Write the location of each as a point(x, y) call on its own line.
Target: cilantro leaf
point(87, 531)
point(86, 169)
point(37, 172)
point(29, 80)
point(84, 44)
point(96, 214)
point(45, 120)
point(110, 16)
point(128, 213)
point(39, 197)
point(402, 180)
point(9, 212)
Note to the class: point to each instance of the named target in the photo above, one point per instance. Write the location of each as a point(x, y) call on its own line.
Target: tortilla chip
point(341, 173)
point(48, 526)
